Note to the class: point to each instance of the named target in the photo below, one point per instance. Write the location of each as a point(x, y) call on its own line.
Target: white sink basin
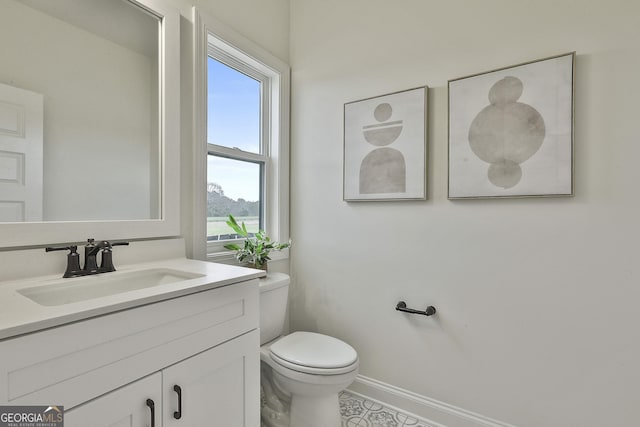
point(78, 289)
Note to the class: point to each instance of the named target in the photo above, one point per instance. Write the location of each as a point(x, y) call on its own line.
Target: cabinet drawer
point(74, 363)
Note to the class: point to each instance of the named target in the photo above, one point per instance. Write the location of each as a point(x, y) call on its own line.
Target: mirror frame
point(50, 232)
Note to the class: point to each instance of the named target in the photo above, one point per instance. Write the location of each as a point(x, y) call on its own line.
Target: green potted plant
point(255, 251)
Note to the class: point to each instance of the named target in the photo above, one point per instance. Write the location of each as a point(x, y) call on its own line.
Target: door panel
point(21, 155)
point(216, 386)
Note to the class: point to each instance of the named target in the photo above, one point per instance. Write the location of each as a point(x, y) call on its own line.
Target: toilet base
point(315, 411)
point(310, 398)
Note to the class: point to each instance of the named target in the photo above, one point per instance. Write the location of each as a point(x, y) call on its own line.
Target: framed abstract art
point(385, 148)
point(511, 131)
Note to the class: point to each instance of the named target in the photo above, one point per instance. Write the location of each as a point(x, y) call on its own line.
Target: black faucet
point(91, 251)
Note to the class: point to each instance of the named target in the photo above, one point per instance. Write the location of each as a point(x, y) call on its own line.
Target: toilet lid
point(309, 349)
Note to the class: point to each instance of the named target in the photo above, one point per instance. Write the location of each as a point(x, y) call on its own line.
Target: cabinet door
point(219, 387)
point(124, 407)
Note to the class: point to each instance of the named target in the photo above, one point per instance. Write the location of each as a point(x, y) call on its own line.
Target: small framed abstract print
point(511, 131)
point(385, 148)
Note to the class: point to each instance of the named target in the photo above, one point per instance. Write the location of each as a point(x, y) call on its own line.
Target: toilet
point(303, 371)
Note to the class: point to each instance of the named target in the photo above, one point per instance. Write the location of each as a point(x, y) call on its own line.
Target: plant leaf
point(231, 222)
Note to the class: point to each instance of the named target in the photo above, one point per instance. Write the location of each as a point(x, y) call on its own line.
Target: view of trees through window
point(219, 206)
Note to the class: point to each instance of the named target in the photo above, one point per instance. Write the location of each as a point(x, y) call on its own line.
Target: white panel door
point(21, 154)
point(218, 388)
point(129, 406)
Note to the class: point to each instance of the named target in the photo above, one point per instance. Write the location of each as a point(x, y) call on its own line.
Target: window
point(237, 145)
point(241, 102)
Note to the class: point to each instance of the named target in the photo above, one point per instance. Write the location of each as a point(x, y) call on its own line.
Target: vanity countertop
point(20, 315)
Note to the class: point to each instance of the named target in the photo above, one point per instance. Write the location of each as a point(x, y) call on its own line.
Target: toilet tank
point(274, 293)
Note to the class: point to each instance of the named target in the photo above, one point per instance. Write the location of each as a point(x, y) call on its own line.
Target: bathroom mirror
point(89, 120)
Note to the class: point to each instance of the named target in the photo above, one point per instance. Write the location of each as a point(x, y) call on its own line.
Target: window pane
point(233, 112)
point(233, 188)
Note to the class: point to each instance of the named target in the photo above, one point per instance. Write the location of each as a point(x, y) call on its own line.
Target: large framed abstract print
point(511, 131)
point(385, 148)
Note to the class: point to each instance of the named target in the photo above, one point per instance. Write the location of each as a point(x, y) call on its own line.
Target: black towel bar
point(402, 306)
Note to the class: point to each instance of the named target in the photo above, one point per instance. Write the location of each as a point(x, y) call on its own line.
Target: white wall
point(537, 298)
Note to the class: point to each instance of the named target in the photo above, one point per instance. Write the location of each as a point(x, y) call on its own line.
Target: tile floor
point(359, 411)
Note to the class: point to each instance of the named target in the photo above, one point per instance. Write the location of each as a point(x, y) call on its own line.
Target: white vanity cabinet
point(103, 370)
point(213, 392)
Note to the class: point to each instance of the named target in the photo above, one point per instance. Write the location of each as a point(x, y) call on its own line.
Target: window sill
point(228, 257)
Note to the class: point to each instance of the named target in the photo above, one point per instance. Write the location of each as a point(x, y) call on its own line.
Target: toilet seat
point(313, 353)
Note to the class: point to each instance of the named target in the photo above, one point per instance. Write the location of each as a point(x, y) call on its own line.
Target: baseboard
point(431, 410)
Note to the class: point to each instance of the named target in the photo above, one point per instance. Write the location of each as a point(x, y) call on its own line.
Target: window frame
point(212, 38)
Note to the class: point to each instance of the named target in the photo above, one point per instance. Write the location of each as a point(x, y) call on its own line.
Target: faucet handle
point(105, 245)
point(73, 259)
point(72, 248)
point(106, 264)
